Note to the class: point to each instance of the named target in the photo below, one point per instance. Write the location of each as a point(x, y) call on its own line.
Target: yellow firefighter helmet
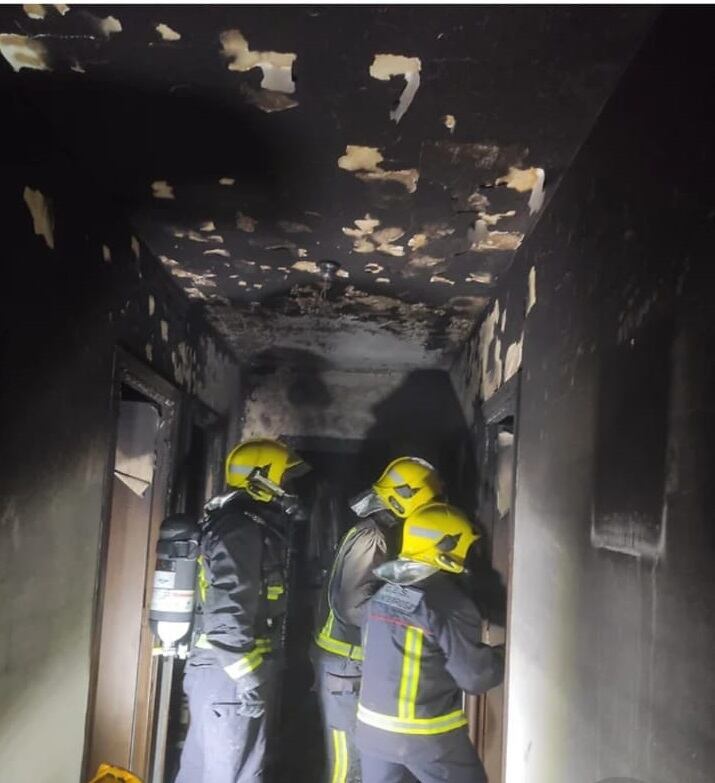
point(261, 467)
point(438, 535)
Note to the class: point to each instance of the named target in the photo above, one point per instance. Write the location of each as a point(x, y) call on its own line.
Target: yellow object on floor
point(109, 774)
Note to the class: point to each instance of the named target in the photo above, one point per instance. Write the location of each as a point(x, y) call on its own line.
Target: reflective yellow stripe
point(340, 757)
point(409, 680)
point(437, 725)
point(264, 644)
point(325, 641)
point(244, 665)
point(203, 580)
point(274, 592)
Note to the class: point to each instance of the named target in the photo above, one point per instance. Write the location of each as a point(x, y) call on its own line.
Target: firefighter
point(405, 485)
point(231, 672)
point(422, 650)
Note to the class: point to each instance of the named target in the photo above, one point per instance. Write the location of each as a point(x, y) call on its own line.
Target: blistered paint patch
point(525, 180)
point(384, 239)
point(512, 360)
point(485, 278)
point(22, 51)
point(441, 279)
point(106, 254)
point(164, 326)
point(61, 8)
point(43, 221)
point(385, 66)
point(208, 225)
point(167, 33)
point(217, 251)
point(246, 223)
point(362, 235)
point(277, 67)
point(152, 304)
point(306, 266)
point(343, 273)
point(450, 122)
point(417, 241)
point(383, 280)
point(373, 268)
point(531, 301)
point(149, 352)
point(110, 25)
point(365, 162)
point(425, 262)
point(357, 158)
point(498, 240)
point(35, 11)
point(162, 189)
point(166, 261)
point(227, 181)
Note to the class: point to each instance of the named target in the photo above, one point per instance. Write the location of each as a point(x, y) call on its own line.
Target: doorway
point(121, 705)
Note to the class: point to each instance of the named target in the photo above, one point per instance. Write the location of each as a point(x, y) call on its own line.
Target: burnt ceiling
point(413, 146)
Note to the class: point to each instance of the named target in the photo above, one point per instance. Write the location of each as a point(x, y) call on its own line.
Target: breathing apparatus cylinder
point(172, 602)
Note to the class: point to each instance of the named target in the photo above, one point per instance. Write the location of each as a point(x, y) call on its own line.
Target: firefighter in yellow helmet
point(406, 484)
point(422, 650)
point(232, 666)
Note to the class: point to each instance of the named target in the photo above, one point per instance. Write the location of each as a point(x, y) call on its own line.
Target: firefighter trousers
point(431, 759)
point(338, 684)
point(228, 729)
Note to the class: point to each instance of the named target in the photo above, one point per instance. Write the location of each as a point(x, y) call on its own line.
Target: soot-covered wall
point(613, 606)
point(75, 283)
point(380, 415)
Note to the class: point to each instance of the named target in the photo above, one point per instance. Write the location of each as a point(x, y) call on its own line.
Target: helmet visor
point(367, 503)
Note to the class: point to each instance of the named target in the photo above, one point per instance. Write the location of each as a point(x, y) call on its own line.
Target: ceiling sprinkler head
point(328, 270)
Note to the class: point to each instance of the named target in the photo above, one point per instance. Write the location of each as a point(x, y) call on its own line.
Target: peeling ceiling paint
point(22, 51)
point(385, 66)
point(43, 222)
point(166, 32)
point(441, 165)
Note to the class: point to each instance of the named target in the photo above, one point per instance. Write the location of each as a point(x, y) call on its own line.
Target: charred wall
point(613, 606)
point(75, 283)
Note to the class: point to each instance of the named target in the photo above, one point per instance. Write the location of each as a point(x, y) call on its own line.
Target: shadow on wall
point(421, 418)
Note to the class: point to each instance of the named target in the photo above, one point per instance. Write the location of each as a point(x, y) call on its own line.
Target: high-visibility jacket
point(241, 599)
point(351, 585)
point(422, 650)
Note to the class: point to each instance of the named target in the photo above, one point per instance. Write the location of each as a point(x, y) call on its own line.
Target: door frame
point(502, 405)
point(128, 371)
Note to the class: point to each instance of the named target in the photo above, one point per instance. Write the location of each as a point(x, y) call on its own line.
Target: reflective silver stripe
point(423, 532)
point(242, 470)
point(396, 477)
point(437, 725)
